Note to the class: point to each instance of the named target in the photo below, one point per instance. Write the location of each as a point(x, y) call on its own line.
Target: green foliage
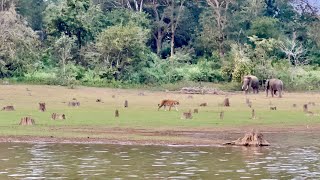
point(182, 55)
point(79, 18)
point(205, 71)
point(242, 64)
point(126, 17)
point(265, 27)
point(299, 78)
point(206, 38)
point(262, 56)
point(32, 10)
point(121, 46)
point(112, 43)
point(18, 45)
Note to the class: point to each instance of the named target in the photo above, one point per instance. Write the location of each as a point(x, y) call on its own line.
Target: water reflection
point(67, 161)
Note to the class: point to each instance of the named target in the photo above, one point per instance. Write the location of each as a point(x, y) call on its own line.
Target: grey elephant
point(274, 85)
point(250, 81)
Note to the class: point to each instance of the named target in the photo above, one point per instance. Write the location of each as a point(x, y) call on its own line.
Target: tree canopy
point(159, 41)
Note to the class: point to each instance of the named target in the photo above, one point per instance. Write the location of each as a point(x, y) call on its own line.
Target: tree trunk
point(172, 41)
point(159, 42)
point(305, 108)
point(116, 113)
point(226, 102)
point(172, 30)
point(126, 104)
point(79, 39)
point(2, 4)
point(26, 121)
point(42, 107)
point(64, 67)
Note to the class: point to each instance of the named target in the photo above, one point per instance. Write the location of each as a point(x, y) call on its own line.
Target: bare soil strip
point(187, 137)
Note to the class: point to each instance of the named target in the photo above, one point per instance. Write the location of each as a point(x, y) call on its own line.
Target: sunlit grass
point(142, 111)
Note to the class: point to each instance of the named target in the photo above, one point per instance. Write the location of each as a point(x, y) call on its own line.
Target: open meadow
point(141, 122)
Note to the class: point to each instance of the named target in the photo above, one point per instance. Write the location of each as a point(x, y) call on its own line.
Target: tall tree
point(32, 11)
point(120, 47)
point(271, 8)
point(63, 47)
point(18, 44)
point(160, 23)
point(78, 18)
point(5, 4)
point(294, 50)
point(175, 19)
point(220, 9)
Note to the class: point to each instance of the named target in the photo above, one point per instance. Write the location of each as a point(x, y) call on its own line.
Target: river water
point(88, 161)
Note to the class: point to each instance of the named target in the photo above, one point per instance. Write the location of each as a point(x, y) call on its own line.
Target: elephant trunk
point(245, 86)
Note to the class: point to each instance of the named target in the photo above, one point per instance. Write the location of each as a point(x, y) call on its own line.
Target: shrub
point(299, 78)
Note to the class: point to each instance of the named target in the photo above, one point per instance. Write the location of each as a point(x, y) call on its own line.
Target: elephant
point(250, 81)
point(274, 85)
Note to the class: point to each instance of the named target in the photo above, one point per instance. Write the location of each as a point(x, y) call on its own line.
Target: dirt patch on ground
point(188, 137)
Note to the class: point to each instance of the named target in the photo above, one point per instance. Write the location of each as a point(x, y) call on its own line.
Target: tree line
point(99, 42)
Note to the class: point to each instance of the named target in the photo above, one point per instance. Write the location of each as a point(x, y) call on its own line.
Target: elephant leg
point(280, 93)
point(272, 92)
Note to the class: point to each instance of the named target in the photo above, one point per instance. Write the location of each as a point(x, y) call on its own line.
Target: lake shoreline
point(188, 137)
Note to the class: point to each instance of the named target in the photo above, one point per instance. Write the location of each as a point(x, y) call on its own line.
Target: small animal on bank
point(8, 108)
point(186, 115)
point(250, 81)
point(56, 116)
point(170, 103)
point(204, 104)
point(273, 108)
point(274, 85)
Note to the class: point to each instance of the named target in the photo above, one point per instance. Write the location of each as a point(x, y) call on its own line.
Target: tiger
point(170, 103)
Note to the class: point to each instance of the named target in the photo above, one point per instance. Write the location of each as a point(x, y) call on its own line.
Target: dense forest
point(155, 42)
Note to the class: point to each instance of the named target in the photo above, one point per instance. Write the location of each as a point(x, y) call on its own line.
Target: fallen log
point(201, 90)
point(250, 139)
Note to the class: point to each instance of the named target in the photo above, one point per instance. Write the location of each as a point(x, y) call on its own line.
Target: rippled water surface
point(80, 161)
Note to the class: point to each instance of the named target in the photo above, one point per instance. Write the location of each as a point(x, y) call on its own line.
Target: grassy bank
point(97, 120)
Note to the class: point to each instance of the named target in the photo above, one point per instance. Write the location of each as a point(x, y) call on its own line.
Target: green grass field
point(96, 119)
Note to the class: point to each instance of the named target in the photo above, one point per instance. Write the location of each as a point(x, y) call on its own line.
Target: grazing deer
point(8, 108)
point(186, 115)
point(56, 116)
point(204, 104)
point(273, 108)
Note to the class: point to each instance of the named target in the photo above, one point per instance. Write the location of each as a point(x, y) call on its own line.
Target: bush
point(300, 79)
